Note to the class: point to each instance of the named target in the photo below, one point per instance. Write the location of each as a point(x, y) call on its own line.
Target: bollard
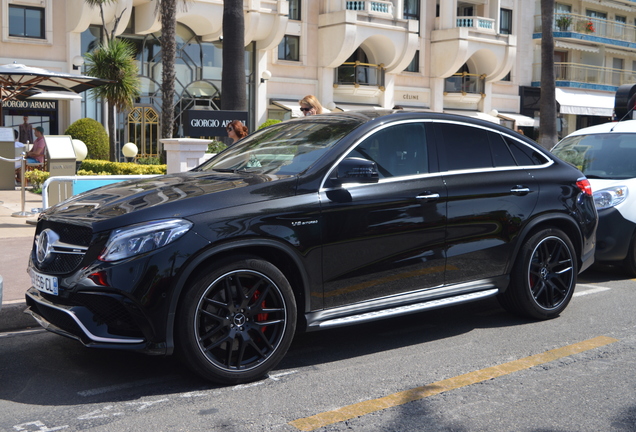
point(22, 190)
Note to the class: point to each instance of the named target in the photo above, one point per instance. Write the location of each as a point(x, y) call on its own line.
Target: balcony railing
point(591, 26)
point(478, 23)
point(360, 74)
point(587, 74)
point(382, 7)
point(465, 83)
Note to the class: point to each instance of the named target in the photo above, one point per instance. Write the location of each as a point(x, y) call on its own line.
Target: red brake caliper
point(263, 315)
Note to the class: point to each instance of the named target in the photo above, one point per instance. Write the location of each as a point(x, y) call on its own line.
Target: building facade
point(467, 56)
point(594, 53)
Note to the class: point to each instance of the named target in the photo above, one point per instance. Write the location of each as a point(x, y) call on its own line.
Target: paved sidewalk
point(16, 239)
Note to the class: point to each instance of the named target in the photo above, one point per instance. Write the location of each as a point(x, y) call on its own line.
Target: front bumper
point(613, 236)
point(80, 323)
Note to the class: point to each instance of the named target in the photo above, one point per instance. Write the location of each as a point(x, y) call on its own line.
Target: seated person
point(36, 155)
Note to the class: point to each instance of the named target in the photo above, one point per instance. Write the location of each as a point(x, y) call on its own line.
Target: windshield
point(604, 156)
point(287, 148)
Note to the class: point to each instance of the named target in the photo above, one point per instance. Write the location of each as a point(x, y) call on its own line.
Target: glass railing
point(566, 22)
point(581, 73)
point(357, 74)
point(465, 83)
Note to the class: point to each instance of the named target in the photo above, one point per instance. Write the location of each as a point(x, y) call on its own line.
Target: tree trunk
point(112, 133)
point(547, 105)
point(233, 86)
point(168, 54)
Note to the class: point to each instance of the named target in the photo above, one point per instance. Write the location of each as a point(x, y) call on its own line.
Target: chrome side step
point(406, 309)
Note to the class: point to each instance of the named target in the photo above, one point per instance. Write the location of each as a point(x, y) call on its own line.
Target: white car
point(606, 154)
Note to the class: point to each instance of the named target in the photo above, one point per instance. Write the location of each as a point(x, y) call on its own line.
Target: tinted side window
point(398, 150)
point(525, 155)
point(500, 152)
point(466, 147)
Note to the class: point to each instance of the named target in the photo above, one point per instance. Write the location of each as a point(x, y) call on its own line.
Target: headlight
point(146, 237)
point(610, 197)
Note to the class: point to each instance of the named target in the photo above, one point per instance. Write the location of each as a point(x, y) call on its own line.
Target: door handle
point(428, 196)
point(520, 190)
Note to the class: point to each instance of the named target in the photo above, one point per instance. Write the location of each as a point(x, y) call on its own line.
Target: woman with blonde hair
point(310, 105)
point(236, 130)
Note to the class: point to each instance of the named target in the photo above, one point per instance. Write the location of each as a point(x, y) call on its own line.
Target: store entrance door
point(143, 130)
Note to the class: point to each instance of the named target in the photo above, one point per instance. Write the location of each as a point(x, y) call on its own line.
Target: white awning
point(356, 107)
point(476, 114)
point(574, 46)
point(55, 96)
point(519, 119)
point(581, 102)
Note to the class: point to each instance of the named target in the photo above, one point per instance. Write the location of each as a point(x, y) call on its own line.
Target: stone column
point(183, 154)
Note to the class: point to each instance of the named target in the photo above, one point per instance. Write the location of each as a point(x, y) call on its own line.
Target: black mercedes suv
point(313, 223)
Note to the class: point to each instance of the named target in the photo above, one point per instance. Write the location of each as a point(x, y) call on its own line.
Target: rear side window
point(525, 155)
point(469, 147)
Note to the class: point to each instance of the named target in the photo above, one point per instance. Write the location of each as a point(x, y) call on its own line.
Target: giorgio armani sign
point(30, 104)
point(208, 123)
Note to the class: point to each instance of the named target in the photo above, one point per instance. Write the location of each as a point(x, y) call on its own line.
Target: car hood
point(168, 196)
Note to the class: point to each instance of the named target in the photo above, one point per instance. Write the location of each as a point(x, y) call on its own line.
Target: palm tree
point(100, 4)
point(114, 60)
point(233, 87)
point(547, 103)
point(168, 56)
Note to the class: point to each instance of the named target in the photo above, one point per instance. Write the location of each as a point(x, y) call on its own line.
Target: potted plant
point(563, 22)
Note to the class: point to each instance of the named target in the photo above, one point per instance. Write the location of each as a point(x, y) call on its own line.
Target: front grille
point(71, 234)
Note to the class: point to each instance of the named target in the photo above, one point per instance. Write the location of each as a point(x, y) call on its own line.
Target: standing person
point(310, 105)
point(36, 155)
point(26, 132)
point(236, 130)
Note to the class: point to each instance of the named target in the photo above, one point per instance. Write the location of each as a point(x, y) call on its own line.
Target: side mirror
point(355, 170)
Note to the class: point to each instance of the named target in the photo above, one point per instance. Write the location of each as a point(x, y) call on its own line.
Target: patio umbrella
point(18, 80)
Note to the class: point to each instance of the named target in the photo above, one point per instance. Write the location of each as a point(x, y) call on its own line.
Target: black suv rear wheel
point(543, 277)
point(236, 323)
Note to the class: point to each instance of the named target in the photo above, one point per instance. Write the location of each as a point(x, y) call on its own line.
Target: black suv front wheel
point(236, 323)
point(543, 277)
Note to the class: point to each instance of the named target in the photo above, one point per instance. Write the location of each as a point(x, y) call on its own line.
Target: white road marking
point(593, 290)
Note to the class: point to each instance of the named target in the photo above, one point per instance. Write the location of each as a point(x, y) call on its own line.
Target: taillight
point(584, 185)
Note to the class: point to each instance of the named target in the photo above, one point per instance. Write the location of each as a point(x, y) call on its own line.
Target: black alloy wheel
point(543, 277)
point(237, 323)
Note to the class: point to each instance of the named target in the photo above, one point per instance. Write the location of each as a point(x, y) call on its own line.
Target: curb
point(12, 317)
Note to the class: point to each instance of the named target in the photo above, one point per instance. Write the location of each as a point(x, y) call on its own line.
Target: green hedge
point(100, 167)
point(92, 133)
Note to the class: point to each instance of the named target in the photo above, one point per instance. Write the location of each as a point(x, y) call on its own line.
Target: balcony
point(584, 76)
point(359, 79)
point(465, 83)
point(344, 26)
point(456, 40)
point(593, 29)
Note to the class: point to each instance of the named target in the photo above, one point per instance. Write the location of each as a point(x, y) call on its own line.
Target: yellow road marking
point(400, 398)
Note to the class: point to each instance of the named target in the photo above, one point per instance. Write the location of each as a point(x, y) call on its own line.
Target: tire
point(543, 276)
point(236, 323)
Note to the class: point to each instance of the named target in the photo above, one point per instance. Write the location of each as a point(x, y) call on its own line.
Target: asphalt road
point(469, 368)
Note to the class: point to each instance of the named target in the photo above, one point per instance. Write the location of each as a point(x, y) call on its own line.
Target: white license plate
point(44, 283)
